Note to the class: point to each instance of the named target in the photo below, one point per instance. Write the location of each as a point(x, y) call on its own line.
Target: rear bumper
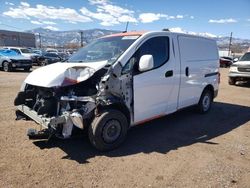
point(45, 122)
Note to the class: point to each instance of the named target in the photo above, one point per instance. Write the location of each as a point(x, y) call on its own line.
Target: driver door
point(154, 88)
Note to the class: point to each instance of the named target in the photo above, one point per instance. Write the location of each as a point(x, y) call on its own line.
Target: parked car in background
point(226, 61)
point(25, 52)
point(52, 51)
point(63, 56)
point(49, 58)
point(240, 71)
point(37, 51)
point(10, 60)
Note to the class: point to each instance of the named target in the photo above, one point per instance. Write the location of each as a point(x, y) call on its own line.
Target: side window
point(16, 50)
point(158, 47)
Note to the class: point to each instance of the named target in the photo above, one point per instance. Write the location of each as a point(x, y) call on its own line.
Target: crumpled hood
point(242, 63)
point(63, 74)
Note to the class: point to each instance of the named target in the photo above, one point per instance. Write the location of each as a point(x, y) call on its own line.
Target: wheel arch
point(4, 62)
point(209, 87)
point(117, 105)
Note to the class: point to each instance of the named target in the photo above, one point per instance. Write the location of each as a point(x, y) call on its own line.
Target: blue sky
point(216, 17)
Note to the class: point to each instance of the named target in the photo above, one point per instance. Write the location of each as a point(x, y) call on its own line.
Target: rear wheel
point(108, 130)
point(205, 102)
point(7, 66)
point(231, 81)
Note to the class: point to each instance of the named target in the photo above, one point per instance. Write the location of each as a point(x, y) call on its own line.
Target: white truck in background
point(119, 81)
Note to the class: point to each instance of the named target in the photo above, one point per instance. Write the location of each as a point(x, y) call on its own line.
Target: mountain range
point(62, 38)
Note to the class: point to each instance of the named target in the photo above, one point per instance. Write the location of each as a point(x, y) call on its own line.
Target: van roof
point(132, 33)
point(139, 33)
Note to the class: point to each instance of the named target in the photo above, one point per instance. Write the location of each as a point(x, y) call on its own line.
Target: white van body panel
point(155, 95)
point(200, 57)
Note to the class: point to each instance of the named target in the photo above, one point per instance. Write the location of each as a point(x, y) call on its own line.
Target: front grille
point(244, 69)
point(24, 61)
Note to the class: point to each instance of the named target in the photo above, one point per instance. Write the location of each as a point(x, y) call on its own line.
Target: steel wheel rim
point(5, 66)
point(206, 102)
point(111, 131)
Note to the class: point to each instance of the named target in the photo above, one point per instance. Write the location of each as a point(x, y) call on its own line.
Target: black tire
point(7, 66)
point(108, 130)
point(231, 81)
point(45, 62)
point(205, 101)
point(27, 69)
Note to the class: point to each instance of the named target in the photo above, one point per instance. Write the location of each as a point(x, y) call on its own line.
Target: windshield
point(245, 57)
point(24, 50)
point(109, 49)
point(8, 53)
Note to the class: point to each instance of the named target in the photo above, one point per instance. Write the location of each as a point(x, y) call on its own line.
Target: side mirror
point(146, 63)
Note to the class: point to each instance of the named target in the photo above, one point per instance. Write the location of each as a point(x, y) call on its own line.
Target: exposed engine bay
point(59, 109)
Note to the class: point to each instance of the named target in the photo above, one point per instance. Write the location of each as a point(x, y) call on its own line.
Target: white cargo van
point(118, 81)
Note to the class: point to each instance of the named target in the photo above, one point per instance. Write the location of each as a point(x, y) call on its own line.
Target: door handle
point(187, 71)
point(169, 73)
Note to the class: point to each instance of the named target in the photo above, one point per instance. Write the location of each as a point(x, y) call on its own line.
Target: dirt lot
point(184, 149)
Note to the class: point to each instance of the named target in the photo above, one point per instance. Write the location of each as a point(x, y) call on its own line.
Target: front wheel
point(7, 66)
point(205, 102)
point(231, 81)
point(26, 69)
point(108, 130)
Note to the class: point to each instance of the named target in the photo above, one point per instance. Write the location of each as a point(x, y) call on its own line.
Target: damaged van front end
point(71, 94)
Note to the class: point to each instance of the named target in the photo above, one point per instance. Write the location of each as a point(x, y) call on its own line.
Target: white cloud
point(42, 22)
point(177, 30)
point(43, 12)
point(108, 13)
point(180, 30)
point(206, 34)
point(36, 22)
point(25, 4)
point(248, 20)
point(49, 22)
point(94, 2)
point(179, 16)
point(151, 17)
point(9, 3)
point(223, 21)
point(51, 28)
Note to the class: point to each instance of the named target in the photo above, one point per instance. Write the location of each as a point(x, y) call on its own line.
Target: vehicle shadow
point(163, 135)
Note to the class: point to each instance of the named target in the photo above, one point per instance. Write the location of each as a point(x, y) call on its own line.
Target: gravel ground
point(184, 149)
